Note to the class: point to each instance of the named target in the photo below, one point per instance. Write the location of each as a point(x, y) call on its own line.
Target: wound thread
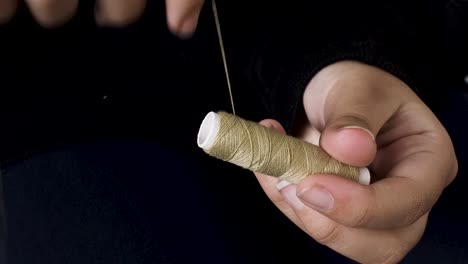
point(260, 149)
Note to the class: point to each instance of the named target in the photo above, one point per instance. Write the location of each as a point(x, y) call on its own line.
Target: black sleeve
point(454, 39)
point(298, 38)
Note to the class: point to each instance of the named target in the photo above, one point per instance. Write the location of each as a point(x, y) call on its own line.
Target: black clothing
point(79, 85)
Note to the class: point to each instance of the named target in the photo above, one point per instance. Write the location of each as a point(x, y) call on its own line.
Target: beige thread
point(259, 149)
point(223, 53)
point(254, 147)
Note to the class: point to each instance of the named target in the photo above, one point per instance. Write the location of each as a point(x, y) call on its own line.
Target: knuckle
point(331, 234)
point(416, 209)
point(364, 214)
point(357, 118)
point(401, 244)
point(453, 172)
point(394, 255)
point(362, 218)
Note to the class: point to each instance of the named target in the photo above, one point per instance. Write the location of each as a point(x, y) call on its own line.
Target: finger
point(350, 126)
point(416, 130)
point(7, 10)
point(52, 13)
point(273, 124)
point(362, 245)
point(118, 12)
point(417, 167)
point(351, 144)
point(368, 246)
point(271, 187)
point(182, 16)
point(390, 203)
point(350, 111)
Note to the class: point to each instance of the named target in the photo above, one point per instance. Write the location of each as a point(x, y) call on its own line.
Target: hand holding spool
point(406, 147)
point(259, 149)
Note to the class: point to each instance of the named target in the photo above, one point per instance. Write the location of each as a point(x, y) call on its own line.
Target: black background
point(158, 88)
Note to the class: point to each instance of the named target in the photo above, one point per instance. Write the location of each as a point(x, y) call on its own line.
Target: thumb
point(350, 102)
point(349, 138)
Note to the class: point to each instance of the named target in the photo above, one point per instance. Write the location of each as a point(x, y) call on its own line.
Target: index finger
point(412, 187)
point(182, 16)
point(52, 13)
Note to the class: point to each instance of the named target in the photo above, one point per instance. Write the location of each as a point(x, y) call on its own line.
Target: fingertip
point(52, 13)
point(182, 17)
point(273, 124)
point(338, 186)
point(114, 13)
point(267, 123)
point(282, 184)
point(345, 196)
point(362, 129)
point(351, 145)
point(187, 27)
point(289, 193)
point(337, 183)
point(172, 21)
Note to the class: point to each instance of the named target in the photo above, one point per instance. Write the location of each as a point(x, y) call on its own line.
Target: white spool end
point(208, 131)
point(364, 176)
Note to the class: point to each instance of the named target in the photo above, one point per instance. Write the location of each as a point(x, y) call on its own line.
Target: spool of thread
point(260, 149)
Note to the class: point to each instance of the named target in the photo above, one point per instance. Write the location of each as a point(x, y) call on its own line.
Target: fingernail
point(282, 184)
point(269, 125)
point(187, 27)
point(318, 198)
point(290, 196)
point(363, 129)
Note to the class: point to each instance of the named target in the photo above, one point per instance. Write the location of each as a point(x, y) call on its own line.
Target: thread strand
point(223, 53)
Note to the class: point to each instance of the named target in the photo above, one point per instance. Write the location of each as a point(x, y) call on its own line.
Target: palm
point(408, 135)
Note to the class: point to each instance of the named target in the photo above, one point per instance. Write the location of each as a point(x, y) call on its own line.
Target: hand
point(346, 104)
point(182, 15)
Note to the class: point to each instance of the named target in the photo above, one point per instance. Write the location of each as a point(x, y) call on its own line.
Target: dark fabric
point(421, 42)
point(140, 202)
point(137, 202)
point(80, 83)
point(446, 237)
point(3, 227)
